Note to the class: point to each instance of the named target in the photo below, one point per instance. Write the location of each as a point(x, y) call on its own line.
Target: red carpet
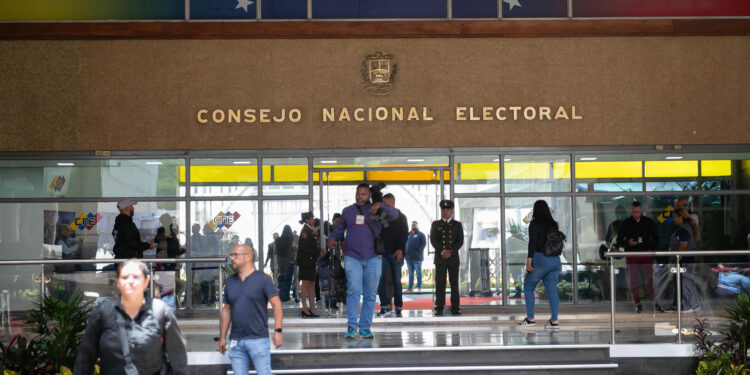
point(426, 303)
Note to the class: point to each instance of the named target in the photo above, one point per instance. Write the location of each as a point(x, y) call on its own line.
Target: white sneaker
point(419, 290)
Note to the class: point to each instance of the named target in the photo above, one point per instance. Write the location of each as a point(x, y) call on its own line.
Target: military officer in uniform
point(308, 251)
point(447, 237)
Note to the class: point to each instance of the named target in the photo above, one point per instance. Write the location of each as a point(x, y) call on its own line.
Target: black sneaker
point(552, 325)
point(658, 308)
point(438, 311)
point(527, 322)
point(638, 308)
point(398, 313)
point(456, 312)
point(382, 312)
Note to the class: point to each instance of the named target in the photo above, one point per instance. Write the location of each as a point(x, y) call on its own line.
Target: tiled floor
point(420, 328)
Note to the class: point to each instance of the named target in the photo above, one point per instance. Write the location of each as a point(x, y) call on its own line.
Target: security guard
point(447, 237)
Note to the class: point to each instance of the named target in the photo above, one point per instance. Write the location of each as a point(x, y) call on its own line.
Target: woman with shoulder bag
point(132, 334)
point(540, 267)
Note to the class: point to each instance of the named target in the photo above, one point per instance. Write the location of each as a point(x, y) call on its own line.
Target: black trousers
point(440, 271)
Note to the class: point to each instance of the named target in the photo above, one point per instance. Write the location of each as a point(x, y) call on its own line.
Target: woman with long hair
point(685, 238)
point(540, 267)
point(283, 246)
point(149, 324)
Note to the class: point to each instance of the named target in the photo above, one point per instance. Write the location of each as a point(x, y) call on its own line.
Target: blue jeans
point(390, 262)
point(286, 273)
point(257, 350)
point(362, 278)
point(546, 269)
point(415, 270)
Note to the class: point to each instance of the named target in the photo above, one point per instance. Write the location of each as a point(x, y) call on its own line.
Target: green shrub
point(728, 355)
point(56, 328)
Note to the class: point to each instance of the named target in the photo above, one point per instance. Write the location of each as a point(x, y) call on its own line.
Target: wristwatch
point(278, 330)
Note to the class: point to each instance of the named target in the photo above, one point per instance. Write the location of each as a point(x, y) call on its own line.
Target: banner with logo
point(57, 180)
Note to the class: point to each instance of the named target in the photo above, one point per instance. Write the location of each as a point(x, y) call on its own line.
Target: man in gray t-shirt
point(246, 298)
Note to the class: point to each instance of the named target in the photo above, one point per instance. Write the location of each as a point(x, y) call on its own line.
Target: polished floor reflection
point(473, 330)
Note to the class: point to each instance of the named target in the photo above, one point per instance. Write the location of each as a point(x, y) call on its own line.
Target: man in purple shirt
point(363, 265)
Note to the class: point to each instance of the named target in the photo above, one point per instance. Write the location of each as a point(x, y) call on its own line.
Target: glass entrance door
point(417, 192)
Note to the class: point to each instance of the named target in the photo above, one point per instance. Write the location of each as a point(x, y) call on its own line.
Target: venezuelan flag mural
point(80, 10)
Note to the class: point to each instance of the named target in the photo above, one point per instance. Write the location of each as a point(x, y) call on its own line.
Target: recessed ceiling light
point(328, 161)
point(495, 159)
point(241, 162)
point(673, 157)
point(588, 158)
point(414, 160)
point(507, 159)
point(65, 164)
point(153, 163)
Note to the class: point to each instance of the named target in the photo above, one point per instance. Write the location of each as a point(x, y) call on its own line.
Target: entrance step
point(532, 359)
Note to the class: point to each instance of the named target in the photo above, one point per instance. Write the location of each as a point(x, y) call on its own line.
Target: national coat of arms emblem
point(378, 71)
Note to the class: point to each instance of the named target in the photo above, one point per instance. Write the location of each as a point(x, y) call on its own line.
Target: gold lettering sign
point(220, 116)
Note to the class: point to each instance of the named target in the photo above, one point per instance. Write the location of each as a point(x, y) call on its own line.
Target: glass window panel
point(608, 173)
point(285, 176)
point(224, 9)
point(379, 9)
point(380, 161)
point(284, 9)
point(598, 220)
point(477, 174)
point(81, 231)
point(536, 173)
point(661, 172)
point(475, 9)
point(517, 218)
point(697, 171)
point(222, 177)
point(535, 9)
point(480, 255)
point(89, 178)
point(216, 227)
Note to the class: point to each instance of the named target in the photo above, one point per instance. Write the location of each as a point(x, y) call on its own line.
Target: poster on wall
point(57, 180)
point(70, 235)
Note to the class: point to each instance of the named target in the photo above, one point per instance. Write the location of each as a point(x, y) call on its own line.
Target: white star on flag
point(512, 3)
point(243, 4)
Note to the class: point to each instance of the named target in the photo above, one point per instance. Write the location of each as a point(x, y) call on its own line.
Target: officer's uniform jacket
point(446, 236)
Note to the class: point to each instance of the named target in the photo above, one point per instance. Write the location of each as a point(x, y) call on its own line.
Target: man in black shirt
point(128, 242)
point(638, 233)
point(394, 238)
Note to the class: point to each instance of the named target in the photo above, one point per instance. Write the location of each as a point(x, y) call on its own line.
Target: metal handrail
point(149, 261)
point(674, 253)
point(109, 260)
point(678, 270)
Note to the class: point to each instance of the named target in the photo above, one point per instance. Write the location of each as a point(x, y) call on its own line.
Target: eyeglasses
point(234, 255)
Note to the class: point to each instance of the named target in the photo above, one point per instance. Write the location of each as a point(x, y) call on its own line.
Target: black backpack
point(555, 243)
